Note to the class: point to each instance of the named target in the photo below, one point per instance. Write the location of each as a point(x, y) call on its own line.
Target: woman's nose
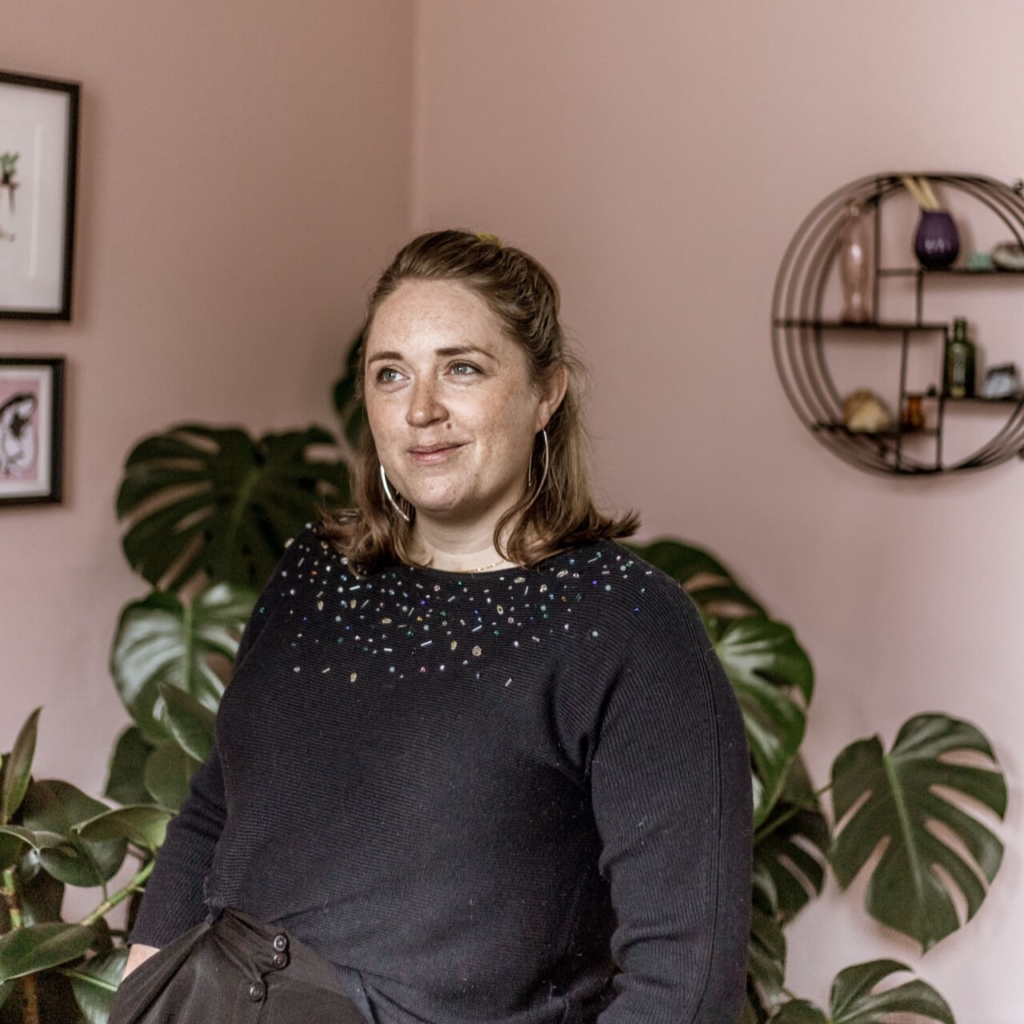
point(425, 406)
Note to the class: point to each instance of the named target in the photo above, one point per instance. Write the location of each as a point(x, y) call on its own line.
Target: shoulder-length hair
point(556, 511)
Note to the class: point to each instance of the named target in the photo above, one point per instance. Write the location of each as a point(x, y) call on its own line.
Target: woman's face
point(450, 402)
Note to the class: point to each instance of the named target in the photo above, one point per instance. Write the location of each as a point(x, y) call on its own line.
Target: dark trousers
point(234, 971)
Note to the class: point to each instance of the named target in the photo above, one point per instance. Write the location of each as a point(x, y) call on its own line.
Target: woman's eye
point(388, 375)
point(463, 369)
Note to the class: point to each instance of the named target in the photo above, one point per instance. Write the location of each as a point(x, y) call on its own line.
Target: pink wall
point(244, 172)
point(243, 175)
point(658, 156)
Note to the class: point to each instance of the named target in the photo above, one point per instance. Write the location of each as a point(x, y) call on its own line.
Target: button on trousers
point(234, 971)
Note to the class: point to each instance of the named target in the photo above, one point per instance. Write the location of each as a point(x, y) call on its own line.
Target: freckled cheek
point(384, 421)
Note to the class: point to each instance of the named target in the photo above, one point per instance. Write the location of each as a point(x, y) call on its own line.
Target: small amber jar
point(912, 417)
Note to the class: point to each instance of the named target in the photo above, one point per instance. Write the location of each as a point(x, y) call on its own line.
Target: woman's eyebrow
point(448, 352)
point(464, 350)
point(384, 355)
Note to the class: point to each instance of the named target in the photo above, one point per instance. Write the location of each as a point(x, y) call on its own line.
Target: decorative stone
point(865, 413)
point(1002, 381)
point(1009, 256)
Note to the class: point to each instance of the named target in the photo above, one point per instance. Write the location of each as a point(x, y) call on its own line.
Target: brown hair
point(557, 511)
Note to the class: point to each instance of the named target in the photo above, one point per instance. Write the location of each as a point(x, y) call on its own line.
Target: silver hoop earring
point(391, 498)
point(547, 466)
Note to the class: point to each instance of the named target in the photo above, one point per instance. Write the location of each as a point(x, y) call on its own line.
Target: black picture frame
point(36, 271)
point(31, 430)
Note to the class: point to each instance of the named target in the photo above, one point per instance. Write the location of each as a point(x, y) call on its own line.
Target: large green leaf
point(216, 502)
point(792, 845)
point(800, 1011)
point(41, 946)
point(702, 576)
point(56, 807)
point(163, 640)
point(143, 824)
point(773, 680)
point(17, 767)
point(125, 783)
point(766, 949)
point(749, 1014)
point(896, 799)
point(95, 982)
point(191, 725)
point(168, 772)
point(854, 1001)
point(37, 840)
point(41, 895)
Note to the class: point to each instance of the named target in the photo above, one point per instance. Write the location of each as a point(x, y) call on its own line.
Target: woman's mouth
point(429, 455)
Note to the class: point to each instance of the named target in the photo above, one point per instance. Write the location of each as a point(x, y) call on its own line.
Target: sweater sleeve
point(670, 783)
point(174, 900)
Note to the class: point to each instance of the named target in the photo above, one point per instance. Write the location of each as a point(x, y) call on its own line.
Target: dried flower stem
point(920, 188)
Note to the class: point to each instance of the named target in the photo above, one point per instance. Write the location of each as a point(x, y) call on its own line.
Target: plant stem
point(29, 988)
point(135, 885)
point(810, 805)
point(31, 1006)
point(10, 893)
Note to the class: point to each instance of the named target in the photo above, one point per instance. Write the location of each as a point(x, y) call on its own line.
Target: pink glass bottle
point(855, 264)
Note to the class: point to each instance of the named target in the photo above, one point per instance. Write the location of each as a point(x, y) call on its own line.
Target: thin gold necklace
point(484, 568)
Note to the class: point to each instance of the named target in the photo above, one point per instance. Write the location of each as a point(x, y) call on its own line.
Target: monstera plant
point(207, 512)
point(889, 800)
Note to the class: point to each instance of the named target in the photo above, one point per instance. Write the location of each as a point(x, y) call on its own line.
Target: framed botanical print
point(38, 156)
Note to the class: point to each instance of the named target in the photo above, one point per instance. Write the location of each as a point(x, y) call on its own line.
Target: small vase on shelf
point(855, 265)
point(936, 243)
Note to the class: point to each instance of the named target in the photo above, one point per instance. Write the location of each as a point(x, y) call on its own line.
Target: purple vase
point(936, 243)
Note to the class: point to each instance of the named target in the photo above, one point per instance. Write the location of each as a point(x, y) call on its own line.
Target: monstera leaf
point(852, 1000)
point(768, 668)
point(896, 799)
point(773, 679)
point(705, 579)
point(216, 502)
point(163, 640)
point(791, 847)
point(766, 946)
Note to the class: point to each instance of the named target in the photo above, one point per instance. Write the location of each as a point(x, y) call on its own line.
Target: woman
point(478, 762)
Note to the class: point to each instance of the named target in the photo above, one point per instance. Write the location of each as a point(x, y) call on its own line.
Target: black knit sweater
point(515, 797)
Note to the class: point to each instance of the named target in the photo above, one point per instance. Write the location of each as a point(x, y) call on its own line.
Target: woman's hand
point(137, 954)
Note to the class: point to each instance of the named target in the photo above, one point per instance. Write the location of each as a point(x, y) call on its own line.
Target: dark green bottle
point(958, 366)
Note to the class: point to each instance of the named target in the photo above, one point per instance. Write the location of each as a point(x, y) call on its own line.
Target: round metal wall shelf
point(801, 335)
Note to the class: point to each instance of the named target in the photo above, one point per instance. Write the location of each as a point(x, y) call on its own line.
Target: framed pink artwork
point(31, 430)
